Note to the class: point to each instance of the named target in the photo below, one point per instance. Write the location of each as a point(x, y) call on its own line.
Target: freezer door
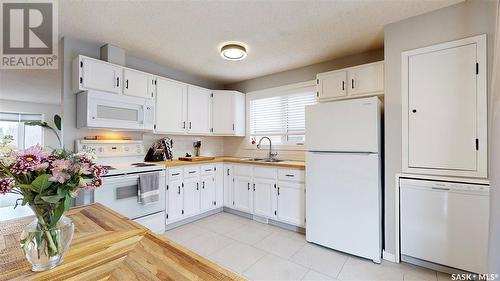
point(445, 223)
point(350, 125)
point(344, 202)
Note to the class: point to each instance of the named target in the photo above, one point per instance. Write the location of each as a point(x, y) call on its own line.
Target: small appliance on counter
point(197, 148)
point(160, 150)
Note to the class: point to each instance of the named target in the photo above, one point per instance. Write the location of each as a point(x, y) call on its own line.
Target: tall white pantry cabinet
point(445, 109)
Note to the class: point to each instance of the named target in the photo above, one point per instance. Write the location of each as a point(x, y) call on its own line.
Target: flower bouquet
point(47, 182)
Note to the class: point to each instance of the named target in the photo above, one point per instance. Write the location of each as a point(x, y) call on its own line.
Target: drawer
point(207, 169)
point(174, 174)
point(264, 172)
point(191, 171)
point(242, 170)
point(295, 175)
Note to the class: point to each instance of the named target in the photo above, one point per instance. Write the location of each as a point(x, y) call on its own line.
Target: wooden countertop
point(108, 246)
point(284, 164)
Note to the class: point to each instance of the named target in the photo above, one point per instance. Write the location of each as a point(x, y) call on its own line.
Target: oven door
point(120, 194)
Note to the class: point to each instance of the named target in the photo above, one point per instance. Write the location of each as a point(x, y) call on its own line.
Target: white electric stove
point(125, 162)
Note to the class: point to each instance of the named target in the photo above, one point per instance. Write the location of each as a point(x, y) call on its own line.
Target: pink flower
point(6, 185)
point(59, 176)
point(29, 159)
point(83, 169)
point(61, 164)
point(99, 170)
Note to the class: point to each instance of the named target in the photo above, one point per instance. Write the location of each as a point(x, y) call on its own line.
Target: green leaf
point(52, 199)
point(67, 202)
point(27, 187)
point(58, 212)
point(57, 121)
point(41, 182)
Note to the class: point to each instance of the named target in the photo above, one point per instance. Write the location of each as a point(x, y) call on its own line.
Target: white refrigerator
point(343, 176)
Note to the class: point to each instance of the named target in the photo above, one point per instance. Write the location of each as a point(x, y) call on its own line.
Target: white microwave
point(96, 109)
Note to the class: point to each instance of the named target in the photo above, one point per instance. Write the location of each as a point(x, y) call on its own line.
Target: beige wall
point(451, 23)
point(237, 146)
point(305, 73)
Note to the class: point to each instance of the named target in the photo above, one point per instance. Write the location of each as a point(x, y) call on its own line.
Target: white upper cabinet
point(138, 84)
point(444, 109)
point(228, 113)
point(94, 74)
point(171, 104)
point(367, 79)
point(332, 84)
point(199, 114)
point(357, 81)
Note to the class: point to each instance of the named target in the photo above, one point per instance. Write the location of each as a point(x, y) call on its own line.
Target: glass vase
point(45, 247)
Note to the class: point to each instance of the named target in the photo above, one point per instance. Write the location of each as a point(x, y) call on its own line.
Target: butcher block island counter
point(108, 246)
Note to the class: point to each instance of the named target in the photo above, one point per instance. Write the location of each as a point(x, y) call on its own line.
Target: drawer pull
point(176, 174)
point(289, 175)
point(192, 172)
point(208, 170)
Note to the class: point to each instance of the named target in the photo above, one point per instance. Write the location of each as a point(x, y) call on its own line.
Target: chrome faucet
point(271, 154)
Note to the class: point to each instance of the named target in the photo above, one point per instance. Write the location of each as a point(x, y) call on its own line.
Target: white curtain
point(494, 244)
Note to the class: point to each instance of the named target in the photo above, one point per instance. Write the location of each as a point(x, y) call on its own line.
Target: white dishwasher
point(445, 223)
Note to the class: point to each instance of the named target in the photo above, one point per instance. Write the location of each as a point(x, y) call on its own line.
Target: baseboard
point(388, 256)
point(178, 223)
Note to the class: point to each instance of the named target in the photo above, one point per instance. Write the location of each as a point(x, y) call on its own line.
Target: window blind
point(20, 117)
point(280, 115)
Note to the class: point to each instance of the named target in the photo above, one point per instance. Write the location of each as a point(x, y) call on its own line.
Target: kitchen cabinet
point(199, 114)
point(242, 194)
point(207, 194)
point(171, 104)
point(228, 186)
point(191, 196)
point(175, 200)
point(444, 109)
point(332, 84)
point(291, 203)
point(219, 185)
point(366, 79)
point(138, 84)
point(263, 195)
point(94, 74)
point(228, 113)
point(352, 82)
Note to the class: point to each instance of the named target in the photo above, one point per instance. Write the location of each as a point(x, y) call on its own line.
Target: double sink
point(268, 160)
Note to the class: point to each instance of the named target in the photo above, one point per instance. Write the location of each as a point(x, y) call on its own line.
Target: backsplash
point(236, 146)
point(210, 146)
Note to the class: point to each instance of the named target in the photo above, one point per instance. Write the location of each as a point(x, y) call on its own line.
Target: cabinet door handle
point(176, 174)
point(208, 170)
point(290, 175)
point(278, 191)
point(126, 84)
point(197, 186)
point(343, 85)
point(248, 186)
point(192, 172)
point(189, 124)
point(352, 83)
point(179, 190)
point(228, 172)
point(254, 187)
point(203, 185)
point(117, 81)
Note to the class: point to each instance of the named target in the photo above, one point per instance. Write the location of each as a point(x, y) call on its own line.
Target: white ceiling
point(280, 35)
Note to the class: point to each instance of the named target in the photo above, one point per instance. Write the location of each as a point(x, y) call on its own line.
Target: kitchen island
point(108, 246)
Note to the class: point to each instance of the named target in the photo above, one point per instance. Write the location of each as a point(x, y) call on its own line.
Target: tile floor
point(263, 252)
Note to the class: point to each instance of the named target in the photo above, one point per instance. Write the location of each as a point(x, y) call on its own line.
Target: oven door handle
point(123, 178)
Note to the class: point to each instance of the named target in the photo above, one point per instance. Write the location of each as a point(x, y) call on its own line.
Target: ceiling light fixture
point(233, 52)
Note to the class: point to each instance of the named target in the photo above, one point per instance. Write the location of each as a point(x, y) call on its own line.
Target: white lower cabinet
point(269, 192)
point(291, 203)
point(263, 195)
point(174, 200)
point(242, 194)
point(207, 192)
point(191, 196)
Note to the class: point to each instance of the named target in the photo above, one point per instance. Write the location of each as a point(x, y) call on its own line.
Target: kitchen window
point(279, 113)
point(13, 124)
